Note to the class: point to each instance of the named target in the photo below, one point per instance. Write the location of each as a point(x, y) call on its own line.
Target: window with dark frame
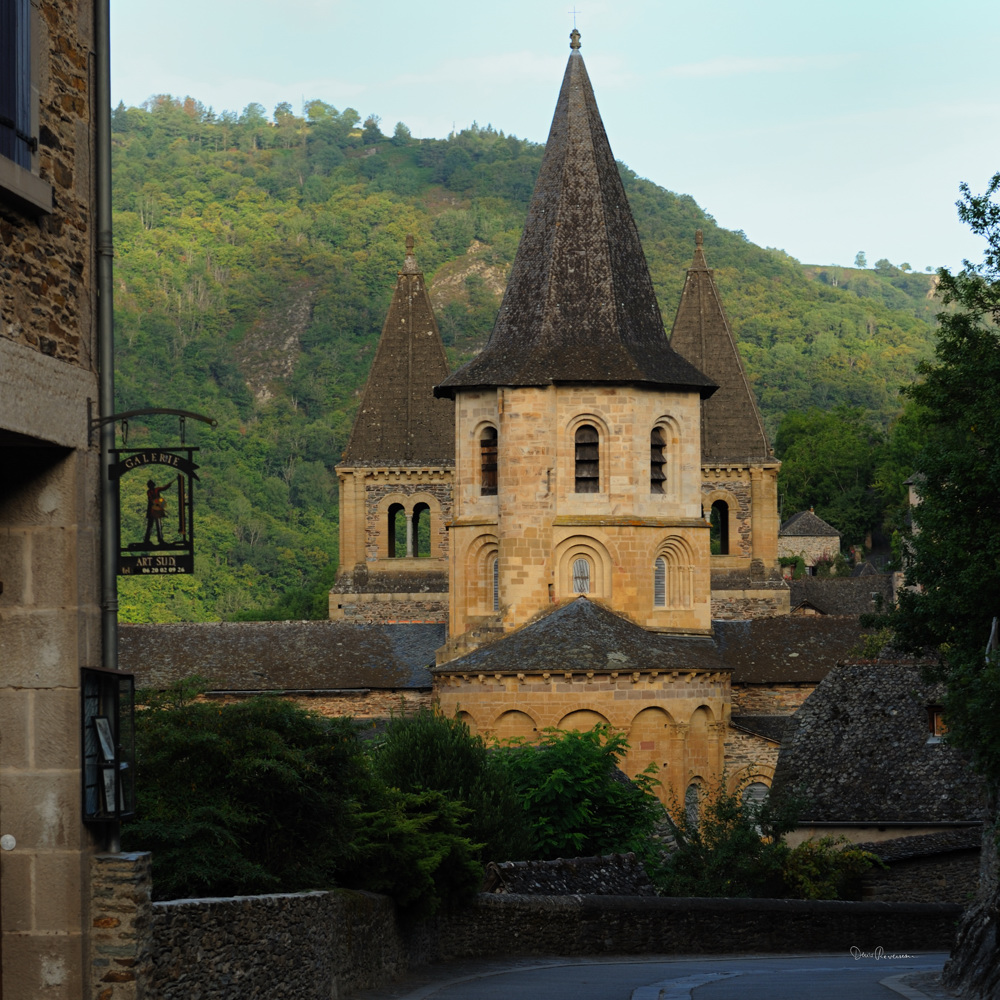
point(937, 727)
point(488, 462)
point(657, 462)
point(588, 460)
point(16, 141)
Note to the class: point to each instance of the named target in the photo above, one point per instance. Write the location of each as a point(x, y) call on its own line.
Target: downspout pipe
point(106, 335)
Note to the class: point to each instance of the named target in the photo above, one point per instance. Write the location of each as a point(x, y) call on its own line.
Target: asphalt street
point(817, 977)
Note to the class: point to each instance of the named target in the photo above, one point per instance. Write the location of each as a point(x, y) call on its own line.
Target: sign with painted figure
point(156, 510)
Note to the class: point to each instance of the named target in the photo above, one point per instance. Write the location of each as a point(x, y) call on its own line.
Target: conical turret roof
point(732, 430)
point(579, 304)
point(399, 422)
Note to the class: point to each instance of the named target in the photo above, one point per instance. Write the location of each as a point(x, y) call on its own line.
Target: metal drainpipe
point(106, 351)
point(106, 333)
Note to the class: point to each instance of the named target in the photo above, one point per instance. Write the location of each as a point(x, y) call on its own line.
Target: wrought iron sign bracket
point(94, 424)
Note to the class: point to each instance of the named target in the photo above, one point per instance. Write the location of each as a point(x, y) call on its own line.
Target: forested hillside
point(255, 261)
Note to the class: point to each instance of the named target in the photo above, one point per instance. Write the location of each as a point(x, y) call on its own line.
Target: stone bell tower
point(578, 427)
point(396, 472)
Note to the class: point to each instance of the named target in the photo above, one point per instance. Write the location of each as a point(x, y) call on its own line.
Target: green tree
point(952, 551)
point(576, 799)
point(245, 798)
point(828, 462)
point(952, 562)
point(860, 260)
point(430, 752)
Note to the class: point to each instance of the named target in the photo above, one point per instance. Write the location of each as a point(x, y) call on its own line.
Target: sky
point(819, 129)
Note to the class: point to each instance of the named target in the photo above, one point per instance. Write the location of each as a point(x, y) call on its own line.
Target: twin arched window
point(409, 535)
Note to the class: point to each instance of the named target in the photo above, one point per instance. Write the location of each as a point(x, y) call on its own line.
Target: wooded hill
point(255, 260)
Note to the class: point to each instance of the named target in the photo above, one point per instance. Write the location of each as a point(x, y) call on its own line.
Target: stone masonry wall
point(389, 609)
point(749, 757)
point(121, 912)
point(46, 290)
point(769, 699)
point(949, 878)
point(314, 946)
point(737, 493)
point(740, 605)
point(358, 704)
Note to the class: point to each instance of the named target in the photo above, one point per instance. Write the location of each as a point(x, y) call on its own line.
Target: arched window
point(397, 531)
point(421, 530)
point(720, 528)
point(488, 462)
point(660, 582)
point(692, 805)
point(496, 583)
point(657, 462)
point(581, 576)
point(588, 460)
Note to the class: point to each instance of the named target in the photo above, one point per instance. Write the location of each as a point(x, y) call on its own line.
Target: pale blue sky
point(821, 129)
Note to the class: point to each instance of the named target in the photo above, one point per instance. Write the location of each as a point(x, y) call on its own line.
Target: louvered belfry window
point(488, 462)
point(657, 477)
point(581, 576)
point(660, 582)
point(16, 141)
point(496, 583)
point(588, 460)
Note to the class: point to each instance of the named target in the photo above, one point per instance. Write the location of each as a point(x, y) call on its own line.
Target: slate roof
point(963, 838)
point(584, 635)
point(806, 523)
point(579, 304)
point(732, 429)
point(785, 649)
point(281, 656)
point(857, 751)
point(771, 727)
point(842, 595)
point(400, 423)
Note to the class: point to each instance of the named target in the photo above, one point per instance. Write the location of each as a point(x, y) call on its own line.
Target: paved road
point(821, 977)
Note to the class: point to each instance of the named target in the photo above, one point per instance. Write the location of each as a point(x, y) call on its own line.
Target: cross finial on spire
point(574, 36)
point(574, 12)
point(410, 264)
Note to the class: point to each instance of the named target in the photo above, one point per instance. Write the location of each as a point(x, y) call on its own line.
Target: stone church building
point(595, 493)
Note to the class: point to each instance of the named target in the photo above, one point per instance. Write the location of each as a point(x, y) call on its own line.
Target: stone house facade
point(50, 615)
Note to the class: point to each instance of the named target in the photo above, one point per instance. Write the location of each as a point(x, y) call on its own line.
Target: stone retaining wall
point(329, 944)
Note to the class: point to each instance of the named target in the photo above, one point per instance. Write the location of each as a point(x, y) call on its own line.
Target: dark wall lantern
point(108, 744)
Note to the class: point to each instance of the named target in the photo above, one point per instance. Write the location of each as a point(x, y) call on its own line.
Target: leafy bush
point(736, 848)
point(730, 849)
point(825, 868)
point(577, 801)
point(244, 798)
point(413, 846)
point(428, 751)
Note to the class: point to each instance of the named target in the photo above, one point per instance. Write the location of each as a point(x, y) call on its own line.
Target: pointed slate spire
point(732, 430)
point(579, 304)
point(399, 422)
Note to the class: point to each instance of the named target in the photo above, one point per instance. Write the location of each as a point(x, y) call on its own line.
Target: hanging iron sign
point(155, 510)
